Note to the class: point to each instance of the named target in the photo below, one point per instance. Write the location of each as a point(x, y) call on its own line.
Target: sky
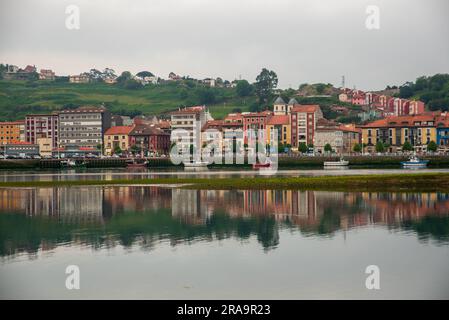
point(303, 41)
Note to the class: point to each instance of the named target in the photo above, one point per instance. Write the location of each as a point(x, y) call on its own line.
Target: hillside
point(18, 98)
point(433, 91)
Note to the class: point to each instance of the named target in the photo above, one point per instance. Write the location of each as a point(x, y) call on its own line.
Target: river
point(162, 243)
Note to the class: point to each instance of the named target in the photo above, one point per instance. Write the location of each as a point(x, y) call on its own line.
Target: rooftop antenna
point(343, 81)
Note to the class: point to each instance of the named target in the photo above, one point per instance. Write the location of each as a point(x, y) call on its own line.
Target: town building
point(45, 147)
point(303, 120)
point(282, 108)
point(280, 123)
point(12, 132)
point(192, 120)
point(255, 124)
point(341, 137)
point(15, 73)
point(84, 126)
point(81, 78)
point(394, 131)
point(46, 74)
point(21, 149)
point(149, 139)
point(116, 137)
point(42, 126)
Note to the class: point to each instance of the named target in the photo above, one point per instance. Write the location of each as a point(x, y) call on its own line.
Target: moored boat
point(261, 165)
point(196, 164)
point(135, 164)
point(339, 163)
point(414, 162)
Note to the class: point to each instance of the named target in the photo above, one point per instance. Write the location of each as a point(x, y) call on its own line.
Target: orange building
point(11, 132)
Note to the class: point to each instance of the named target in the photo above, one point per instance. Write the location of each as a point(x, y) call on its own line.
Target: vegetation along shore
point(410, 182)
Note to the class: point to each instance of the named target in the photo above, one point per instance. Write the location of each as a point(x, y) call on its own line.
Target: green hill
point(18, 98)
point(433, 91)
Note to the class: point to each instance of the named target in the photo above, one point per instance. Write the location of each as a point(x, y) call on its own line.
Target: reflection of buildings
point(135, 214)
point(301, 208)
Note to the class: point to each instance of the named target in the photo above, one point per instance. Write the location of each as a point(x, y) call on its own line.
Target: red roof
point(279, 120)
point(400, 121)
point(305, 108)
point(20, 142)
point(18, 122)
point(119, 130)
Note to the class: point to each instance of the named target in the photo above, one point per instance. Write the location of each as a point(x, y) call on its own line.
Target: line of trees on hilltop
point(433, 91)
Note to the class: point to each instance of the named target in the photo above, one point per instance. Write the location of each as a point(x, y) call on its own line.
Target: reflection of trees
point(19, 233)
point(429, 227)
point(138, 216)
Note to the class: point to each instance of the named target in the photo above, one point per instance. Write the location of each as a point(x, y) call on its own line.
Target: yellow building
point(418, 130)
point(12, 132)
point(282, 124)
point(45, 147)
point(116, 137)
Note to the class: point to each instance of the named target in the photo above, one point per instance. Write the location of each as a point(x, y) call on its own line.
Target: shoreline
point(395, 182)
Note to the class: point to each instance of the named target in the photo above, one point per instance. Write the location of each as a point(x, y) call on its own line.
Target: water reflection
point(33, 219)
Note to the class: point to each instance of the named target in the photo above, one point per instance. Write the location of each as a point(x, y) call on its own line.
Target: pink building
point(41, 126)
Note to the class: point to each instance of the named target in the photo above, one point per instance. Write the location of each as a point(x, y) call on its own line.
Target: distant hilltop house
point(82, 78)
point(209, 82)
point(147, 80)
point(15, 73)
point(46, 74)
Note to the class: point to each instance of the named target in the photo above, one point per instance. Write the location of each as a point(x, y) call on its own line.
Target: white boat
point(196, 164)
point(339, 163)
point(414, 162)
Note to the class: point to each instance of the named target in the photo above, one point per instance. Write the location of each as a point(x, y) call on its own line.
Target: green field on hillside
point(18, 98)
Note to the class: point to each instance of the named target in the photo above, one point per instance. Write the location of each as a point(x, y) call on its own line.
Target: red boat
point(135, 164)
point(261, 165)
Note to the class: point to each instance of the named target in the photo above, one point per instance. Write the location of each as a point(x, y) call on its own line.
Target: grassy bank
point(419, 182)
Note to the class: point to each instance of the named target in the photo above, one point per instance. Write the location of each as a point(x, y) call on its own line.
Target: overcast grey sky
point(303, 40)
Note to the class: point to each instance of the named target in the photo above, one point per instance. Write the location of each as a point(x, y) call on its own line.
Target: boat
point(414, 162)
point(196, 164)
point(135, 164)
point(72, 163)
point(339, 163)
point(261, 165)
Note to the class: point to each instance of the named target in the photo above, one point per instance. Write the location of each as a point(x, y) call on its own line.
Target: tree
point(406, 91)
point(302, 147)
point(432, 146)
point(125, 76)
point(266, 81)
point(243, 88)
point(95, 75)
point(117, 150)
point(380, 146)
point(357, 148)
point(109, 73)
point(407, 146)
point(132, 84)
point(144, 74)
point(206, 95)
point(327, 148)
point(135, 148)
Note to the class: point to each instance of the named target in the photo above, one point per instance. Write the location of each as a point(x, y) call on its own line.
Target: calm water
point(139, 173)
point(159, 243)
